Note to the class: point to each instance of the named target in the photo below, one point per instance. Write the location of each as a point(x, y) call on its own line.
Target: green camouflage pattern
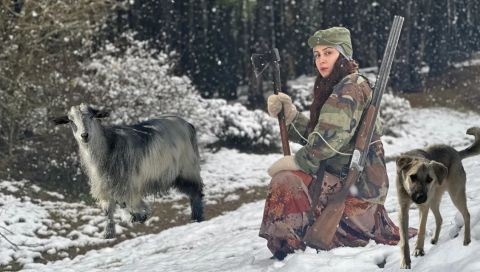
point(337, 123)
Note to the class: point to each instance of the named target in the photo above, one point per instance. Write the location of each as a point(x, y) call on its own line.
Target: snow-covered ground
point(230, 242)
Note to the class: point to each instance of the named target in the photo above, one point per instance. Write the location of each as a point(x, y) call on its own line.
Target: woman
point(340, 97)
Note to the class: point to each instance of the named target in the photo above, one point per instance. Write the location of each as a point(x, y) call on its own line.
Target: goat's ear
point(60, 120)
point(100, 113)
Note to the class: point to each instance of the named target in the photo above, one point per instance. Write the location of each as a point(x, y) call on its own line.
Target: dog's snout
point(84, 136)
point(419, 198)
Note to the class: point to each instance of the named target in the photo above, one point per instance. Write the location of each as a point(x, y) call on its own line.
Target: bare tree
point(41, 44)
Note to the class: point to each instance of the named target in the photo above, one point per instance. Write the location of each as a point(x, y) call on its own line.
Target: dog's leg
point(459, 199)
point(108, 208)
point(405, 261)
point(435, 207)
point(423, 209)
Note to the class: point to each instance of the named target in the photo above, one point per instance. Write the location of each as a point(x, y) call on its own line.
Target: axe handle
point(281, 115)
point(283, 133)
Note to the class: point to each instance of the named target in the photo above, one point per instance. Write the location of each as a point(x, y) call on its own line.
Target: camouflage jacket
point(337, 124)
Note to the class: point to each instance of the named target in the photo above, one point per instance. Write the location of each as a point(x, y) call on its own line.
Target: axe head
point(262, 61)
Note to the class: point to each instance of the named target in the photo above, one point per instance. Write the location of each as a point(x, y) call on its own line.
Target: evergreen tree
point(436, 49)
point(215, 38)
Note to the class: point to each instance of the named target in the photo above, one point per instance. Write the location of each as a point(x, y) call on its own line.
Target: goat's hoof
point(405, 264)
point(108, 235)
point(433, 241)
point(466, 242)
point(197, 212)
point(198, 218)
point(139, 217)
point(109, 232)
point(418, 252)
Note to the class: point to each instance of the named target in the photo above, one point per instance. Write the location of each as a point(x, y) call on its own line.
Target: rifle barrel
point(388, 56)
point(380, 86)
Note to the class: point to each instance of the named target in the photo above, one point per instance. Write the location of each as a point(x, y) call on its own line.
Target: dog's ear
point(60, 120)
point(403, 162)
point(438, 170)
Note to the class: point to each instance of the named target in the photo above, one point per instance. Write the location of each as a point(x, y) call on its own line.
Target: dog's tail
point(473, 149)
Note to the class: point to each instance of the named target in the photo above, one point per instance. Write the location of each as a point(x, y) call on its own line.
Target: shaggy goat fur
point(126, 163)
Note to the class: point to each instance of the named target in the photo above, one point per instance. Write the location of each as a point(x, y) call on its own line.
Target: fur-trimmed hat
point(337, 36)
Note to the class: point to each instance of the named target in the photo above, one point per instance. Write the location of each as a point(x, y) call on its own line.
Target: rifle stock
point(320, 234)
point(362, 141)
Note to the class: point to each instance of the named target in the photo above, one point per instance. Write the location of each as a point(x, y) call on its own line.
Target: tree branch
point(4, 237)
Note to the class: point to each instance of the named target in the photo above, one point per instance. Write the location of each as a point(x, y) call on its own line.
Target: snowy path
point(230, 242)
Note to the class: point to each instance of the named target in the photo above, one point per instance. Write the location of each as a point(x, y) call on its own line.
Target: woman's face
point(325, 58)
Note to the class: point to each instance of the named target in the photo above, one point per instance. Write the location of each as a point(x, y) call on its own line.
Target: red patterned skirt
point(285, 217)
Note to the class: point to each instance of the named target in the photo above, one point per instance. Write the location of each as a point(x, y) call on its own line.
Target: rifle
point(321, 233)
point(260, 63)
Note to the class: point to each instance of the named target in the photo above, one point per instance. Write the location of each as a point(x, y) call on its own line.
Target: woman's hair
point(323, 87)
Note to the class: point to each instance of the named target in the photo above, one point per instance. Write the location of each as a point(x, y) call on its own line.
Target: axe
point(260, 63)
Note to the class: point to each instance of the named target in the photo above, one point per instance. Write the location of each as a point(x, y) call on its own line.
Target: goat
point(127, 162)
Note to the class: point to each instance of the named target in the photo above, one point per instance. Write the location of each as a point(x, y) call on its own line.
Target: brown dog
point(423, 175)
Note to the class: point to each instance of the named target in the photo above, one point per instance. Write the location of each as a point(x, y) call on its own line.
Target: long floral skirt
point(285, 217)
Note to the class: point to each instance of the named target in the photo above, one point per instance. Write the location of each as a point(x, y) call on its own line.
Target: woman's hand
point(285, 163)
point(275, 103)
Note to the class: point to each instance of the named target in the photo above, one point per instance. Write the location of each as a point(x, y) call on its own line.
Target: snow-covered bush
point(392, 113)
point(42, 44)
point(138, 84)
point(245, 129)
point(300, 89)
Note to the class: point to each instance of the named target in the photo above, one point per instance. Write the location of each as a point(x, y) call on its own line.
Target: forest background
point(143, 58)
